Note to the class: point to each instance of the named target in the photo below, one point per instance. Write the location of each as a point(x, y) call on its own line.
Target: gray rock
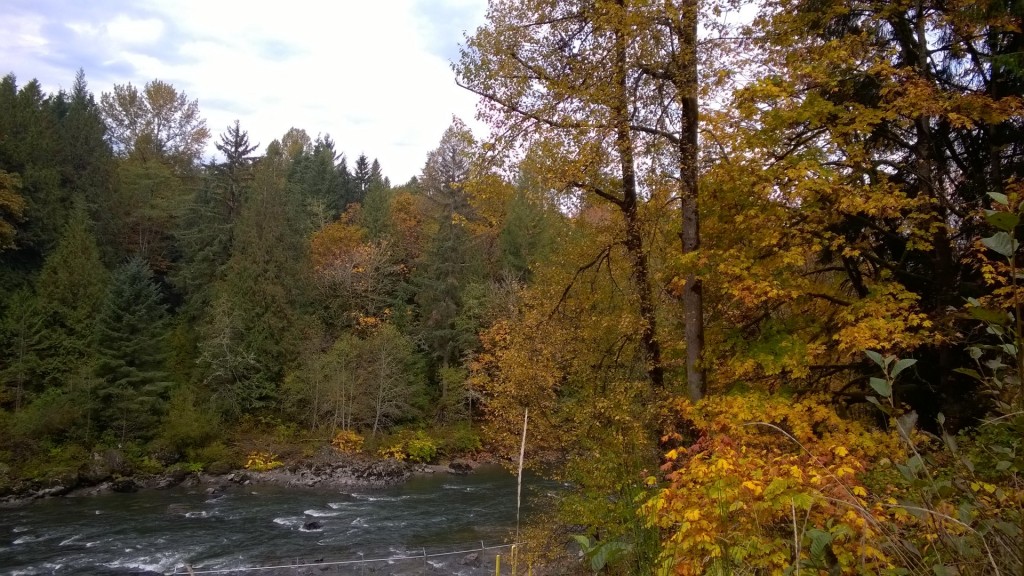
point(124, 485)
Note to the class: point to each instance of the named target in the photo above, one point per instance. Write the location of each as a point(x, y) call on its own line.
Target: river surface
point(162, 531)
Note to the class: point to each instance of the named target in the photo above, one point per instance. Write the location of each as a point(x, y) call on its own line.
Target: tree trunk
point(693, 295)
point(634, 238)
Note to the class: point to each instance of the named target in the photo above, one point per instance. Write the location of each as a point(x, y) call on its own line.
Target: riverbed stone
point(461, 466)
point(124, 485)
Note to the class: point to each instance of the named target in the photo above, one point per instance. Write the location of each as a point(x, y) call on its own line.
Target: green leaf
point(1006, 221)
point(584, 542)
point(875, 357)
point(968, 372)
point(875, 401)
point(1002, 243)
point(902, 365)
point(1000, 198)
point(775, 487)
point(975, 352)
point(988, 315)
point(606, 553)
point(940, 418)
point(819, 540)
point(941, 570)
point(1003, 465)
point(803, 501)
point(1010, 349)
point(882, 387)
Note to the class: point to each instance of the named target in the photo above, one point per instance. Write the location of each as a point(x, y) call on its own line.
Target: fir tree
point(130, 336)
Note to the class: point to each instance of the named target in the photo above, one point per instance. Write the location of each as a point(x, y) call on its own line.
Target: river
point(160, 531)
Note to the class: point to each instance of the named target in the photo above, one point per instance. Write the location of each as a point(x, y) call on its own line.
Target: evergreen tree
point(130, 337)
point(235, 170)
point(22, 364)
point(28, 146)
point(319, 182)
point(347, 184)
point(361, 178)
point(255, 325)
point(71, 290)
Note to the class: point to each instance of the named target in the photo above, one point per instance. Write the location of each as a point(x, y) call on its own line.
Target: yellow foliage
point(768, 484)
point(759, 464)
point(262, 461)
point(347, 441)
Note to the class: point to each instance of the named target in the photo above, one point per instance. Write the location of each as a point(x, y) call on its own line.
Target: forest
point(755, 282)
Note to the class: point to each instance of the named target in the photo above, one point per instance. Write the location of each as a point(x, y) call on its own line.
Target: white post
point(519, 484)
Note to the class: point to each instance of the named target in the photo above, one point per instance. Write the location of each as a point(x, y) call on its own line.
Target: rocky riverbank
point(327, 469)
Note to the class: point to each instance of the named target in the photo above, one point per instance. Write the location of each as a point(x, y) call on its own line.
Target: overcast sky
point(373, 74)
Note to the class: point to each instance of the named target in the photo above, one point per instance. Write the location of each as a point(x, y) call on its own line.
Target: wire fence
point(488, 560)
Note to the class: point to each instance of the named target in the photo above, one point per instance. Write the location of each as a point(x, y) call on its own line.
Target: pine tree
point(70, 294)
point(361, 178)
point(234, 145)
point(256, 314)
point(131, 341)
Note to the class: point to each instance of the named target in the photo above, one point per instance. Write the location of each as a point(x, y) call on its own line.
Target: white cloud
point(134, 31)
point(22, 34)
point(369, 73)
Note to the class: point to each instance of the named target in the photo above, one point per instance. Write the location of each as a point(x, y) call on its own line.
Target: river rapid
point(439, 516)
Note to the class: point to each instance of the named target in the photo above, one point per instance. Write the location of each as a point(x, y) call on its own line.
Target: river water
point(162, 531)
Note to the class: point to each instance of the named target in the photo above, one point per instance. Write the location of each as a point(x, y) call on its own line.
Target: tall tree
point(564, 76)
point(361, 178)
point(157, 122)
point(131, 339)
point(448, 263)
point(71, 290)
point(234, 145)
point(256, 318)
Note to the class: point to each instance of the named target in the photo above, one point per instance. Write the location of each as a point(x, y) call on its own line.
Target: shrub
point(418, 447)
point(215, 452)
point(459, 440)
point(262, 461)
point(347, 441)
point(769, 484)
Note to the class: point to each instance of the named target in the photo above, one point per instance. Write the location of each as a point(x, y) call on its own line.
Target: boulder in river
point(314, 525)
point(461, 466)
point(124, 485)
point(94, 471)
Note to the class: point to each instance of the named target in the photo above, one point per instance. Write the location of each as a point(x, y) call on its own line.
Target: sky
point(375, 74)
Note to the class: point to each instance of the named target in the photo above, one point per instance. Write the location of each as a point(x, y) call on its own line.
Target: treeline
point(151, 300)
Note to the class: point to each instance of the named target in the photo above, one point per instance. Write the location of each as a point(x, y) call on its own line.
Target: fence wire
point(324, 565)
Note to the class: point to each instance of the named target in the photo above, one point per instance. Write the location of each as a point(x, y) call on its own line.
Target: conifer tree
point(71, 289)
point(131, 345)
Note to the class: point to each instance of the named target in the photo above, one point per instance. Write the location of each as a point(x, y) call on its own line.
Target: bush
point(459, 440)
point(347, 441)
point(769, 484)
point(214, 453)
point(262, 461)
point(187, 425)
point(418, 447)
